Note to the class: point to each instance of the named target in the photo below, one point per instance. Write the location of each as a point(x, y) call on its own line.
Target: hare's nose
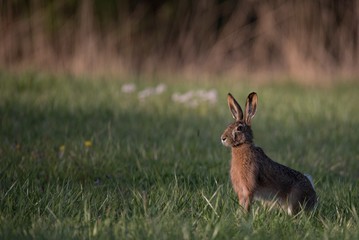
point(223, 139)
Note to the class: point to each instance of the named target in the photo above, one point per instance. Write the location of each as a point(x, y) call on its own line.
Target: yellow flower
point(62, 148)
point(88, 144)
point(61, 151)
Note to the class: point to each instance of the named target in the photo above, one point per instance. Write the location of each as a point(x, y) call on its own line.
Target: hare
point(254, 175)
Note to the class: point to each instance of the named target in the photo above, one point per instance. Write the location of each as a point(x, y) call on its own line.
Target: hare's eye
point(240, 128)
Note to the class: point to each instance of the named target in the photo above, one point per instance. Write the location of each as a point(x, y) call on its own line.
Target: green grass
point(156, 169)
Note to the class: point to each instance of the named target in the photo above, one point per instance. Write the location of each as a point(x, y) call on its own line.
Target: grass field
point(80, 159)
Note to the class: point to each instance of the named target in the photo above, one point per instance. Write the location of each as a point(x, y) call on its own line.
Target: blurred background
point(317, 40)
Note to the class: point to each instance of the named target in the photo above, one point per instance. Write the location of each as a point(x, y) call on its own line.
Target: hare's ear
point(236, 110)
point(251, 107)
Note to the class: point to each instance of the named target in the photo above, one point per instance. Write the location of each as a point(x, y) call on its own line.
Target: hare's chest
point(242, 176)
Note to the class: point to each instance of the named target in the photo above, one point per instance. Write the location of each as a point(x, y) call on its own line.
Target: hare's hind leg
point(295, 201)
point(299, 199)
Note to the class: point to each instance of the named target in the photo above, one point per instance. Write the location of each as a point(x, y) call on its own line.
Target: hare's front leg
point(245, 199)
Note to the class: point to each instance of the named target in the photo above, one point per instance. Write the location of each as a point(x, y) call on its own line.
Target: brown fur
point(254, 175)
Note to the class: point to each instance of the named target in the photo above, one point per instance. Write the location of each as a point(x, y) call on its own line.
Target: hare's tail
point(310, 179)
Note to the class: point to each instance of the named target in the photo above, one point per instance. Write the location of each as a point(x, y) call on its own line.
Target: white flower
point(160, 88)
point(128, 88)
point(152, 91)
point(194, 98)
point(182, 98)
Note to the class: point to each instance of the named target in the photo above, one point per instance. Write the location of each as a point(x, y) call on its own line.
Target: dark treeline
point(213, 36)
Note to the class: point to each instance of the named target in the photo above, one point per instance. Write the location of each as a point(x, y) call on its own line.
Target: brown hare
point(254, 175)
